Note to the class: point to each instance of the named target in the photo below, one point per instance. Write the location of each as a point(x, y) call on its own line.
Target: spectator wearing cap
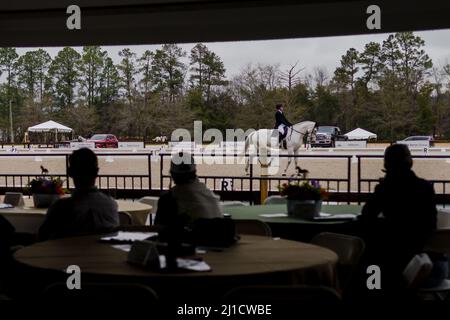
point(88, 210)
point(189, 199)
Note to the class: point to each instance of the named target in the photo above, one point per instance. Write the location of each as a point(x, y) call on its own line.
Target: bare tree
point(291, 76)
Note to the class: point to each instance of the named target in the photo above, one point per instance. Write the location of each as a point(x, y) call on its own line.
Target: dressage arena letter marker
point(227, 184)
point(374, 21)
point(73, 22)
point(374, 280)
point(74, 280)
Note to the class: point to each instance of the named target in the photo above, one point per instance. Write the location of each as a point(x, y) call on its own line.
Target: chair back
point(443, 219)
point(100, 291)
point(418, 270)
point(275, 200)
point(282, 294)
point(14, 198)
point(348, 248)
point(215, 232)
point(125, 219)
point(253, 227)
point(152, 201)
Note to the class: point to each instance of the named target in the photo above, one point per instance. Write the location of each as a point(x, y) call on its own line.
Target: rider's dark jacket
point(281, 119)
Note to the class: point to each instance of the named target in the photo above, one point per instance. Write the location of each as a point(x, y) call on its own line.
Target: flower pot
point(44, 200)
point(304, 209)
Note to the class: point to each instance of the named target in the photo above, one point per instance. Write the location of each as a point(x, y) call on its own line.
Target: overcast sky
point(310, 52)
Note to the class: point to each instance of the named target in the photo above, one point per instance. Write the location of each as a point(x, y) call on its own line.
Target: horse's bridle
point(302, 133)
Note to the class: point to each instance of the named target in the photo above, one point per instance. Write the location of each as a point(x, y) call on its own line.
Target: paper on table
point(6, 206)
point(188, 264)
point(324, 214)
point(130, 236)
point(123, 247)
point(273, 215)
point(193, 265)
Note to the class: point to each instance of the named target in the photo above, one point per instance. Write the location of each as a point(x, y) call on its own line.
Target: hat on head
point(183, 162)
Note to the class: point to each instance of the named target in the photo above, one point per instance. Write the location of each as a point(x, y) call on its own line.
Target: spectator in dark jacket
point(6, 240)
point(399, 216)
point(6, 235)
point(88, 210)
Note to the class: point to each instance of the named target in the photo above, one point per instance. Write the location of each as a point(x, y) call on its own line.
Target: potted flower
point(46, 190)
point(304, 198)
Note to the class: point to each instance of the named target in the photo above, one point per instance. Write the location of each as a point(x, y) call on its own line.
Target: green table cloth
point(255, 212)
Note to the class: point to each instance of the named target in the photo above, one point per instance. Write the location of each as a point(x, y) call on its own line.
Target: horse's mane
point(304, 122)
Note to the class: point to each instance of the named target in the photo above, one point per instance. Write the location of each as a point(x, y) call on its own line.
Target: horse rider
point(281, 123)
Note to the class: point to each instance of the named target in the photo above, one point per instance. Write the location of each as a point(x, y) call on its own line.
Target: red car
point(104, 141)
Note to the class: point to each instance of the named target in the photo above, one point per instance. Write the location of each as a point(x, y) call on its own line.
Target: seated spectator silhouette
point(189, 199)
point(399, 217)
point(88, 210)
point(6, 240)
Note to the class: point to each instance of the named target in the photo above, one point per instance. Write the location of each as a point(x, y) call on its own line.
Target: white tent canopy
point(49, 126)
point(360, 134)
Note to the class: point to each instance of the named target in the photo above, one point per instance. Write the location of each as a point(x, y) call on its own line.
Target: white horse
point(264, 139)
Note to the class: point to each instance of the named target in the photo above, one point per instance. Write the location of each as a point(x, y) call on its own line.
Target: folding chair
point(253, 227)
point(125, 219)
point(275, 200)
point(152, 201)
point(349, 250)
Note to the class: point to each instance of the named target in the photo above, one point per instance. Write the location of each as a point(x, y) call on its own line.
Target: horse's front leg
point(295, 159)
point(289, 161)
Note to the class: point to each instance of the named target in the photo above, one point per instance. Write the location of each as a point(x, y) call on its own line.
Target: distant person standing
point(26, 140)
point(281, 123)
point(88, 210)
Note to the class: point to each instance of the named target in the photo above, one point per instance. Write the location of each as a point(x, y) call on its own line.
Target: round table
point(138, 210)
point(29, 219)
point(259, 211)
point(252, 258)
point(294, 228)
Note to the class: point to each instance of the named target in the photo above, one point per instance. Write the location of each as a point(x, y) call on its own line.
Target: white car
point(420, 138)
point(418, 141)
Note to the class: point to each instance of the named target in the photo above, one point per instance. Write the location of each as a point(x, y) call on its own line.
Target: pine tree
point(65, 76)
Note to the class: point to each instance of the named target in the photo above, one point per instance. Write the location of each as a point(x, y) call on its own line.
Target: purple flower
point(315, 183)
